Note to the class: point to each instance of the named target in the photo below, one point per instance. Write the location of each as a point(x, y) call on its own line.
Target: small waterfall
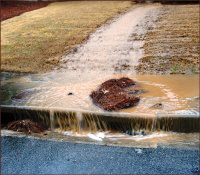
point(80, 121)
point(87, 121)
point(154, 124)
point(52, 120)
point(186, 123)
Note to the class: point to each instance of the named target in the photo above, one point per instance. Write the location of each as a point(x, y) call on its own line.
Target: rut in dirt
point(112, 49)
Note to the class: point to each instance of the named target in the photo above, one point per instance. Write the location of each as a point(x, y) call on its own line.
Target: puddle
point(176, 92)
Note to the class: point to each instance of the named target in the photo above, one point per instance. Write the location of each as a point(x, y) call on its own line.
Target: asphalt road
point(34, 156)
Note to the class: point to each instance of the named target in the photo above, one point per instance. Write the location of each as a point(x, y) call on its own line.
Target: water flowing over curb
point(185, 123)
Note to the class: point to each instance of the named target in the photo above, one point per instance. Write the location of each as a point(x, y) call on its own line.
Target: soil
point(11, 9)
point(112, 94)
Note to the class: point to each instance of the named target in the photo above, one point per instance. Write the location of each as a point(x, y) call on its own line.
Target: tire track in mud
point(111, 49)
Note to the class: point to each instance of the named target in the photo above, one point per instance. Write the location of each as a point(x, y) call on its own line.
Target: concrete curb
point(185, 123)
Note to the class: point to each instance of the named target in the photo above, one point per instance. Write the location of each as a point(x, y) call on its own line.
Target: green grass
point(175, 68)
point(35, 41)
point(193, 70)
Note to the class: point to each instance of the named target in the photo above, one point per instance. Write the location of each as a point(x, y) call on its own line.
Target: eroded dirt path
point(110, 49)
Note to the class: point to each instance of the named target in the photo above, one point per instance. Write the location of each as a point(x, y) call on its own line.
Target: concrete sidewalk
point(34, 156)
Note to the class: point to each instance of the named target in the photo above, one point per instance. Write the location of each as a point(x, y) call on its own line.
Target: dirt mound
point(10, 9)
point(26, 126)
point(112, 94)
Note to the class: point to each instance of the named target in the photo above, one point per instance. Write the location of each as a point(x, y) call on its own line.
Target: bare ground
point(10, 9)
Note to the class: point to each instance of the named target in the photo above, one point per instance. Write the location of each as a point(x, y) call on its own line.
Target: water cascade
point(87, 121)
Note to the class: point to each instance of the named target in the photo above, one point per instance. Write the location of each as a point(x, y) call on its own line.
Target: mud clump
point(26, 126)
point(112, 94)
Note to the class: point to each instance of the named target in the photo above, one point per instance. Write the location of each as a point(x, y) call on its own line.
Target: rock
point(140, 91)
point(70, 93)
point(136, 132)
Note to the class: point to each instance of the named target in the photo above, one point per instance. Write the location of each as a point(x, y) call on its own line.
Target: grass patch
point(174, 41)
point(35, 41)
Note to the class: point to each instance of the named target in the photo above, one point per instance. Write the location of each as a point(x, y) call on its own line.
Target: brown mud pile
point(112, 94)
point(26, 126)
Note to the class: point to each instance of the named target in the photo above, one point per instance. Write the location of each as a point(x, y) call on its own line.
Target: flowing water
point(109, 53)
point(173, 92)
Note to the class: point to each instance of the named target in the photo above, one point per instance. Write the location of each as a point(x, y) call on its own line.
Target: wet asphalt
point(35, 156)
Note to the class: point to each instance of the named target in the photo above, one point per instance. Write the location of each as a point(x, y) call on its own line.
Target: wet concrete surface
point(33, 156)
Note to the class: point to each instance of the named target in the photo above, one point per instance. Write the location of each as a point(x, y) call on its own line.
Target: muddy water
point(153, 140)
point(173, 92)
point(108, 51)
point(161, 139)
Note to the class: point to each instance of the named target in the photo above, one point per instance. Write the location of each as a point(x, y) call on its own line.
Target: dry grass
point(36, 40)
point(173, 45)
